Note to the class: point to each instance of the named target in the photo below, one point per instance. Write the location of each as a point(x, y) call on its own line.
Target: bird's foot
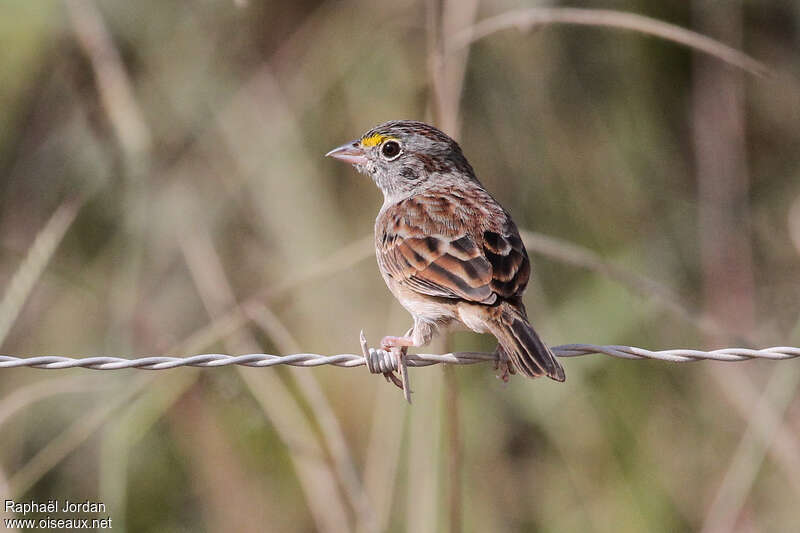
point(505, 371)
point(503, 366)
point(389, 343)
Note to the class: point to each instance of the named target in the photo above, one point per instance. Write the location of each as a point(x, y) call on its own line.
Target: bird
point(446, 248)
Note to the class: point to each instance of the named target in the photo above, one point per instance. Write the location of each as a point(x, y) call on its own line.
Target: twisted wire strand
point(379, 361)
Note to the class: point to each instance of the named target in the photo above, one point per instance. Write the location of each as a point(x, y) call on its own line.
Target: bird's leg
point(390, 342)
point(503, 364)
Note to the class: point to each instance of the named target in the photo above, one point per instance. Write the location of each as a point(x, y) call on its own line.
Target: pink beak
point(349, 153)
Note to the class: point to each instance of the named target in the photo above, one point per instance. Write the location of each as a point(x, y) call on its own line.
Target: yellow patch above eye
point(373, 140)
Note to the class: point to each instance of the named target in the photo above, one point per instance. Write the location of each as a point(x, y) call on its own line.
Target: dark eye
point(390, 149)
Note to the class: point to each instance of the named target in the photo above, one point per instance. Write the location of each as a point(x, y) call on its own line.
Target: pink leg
point(390, 342)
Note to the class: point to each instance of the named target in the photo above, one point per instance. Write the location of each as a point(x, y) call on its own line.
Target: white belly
point(473, 316)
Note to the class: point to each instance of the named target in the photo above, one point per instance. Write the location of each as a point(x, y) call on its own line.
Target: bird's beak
point(349, 153)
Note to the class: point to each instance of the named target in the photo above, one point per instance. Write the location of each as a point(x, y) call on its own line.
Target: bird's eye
point(390, 150)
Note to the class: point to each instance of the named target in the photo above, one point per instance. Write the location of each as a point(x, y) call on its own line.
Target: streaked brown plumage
point(446, 249)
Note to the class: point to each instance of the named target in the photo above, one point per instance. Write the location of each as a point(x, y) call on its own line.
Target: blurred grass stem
point(316, 477)
point(527, 19)
point(446, 72)
point(134, 138)
point(764, 422)
point(72, 437)
point(331, 429)
point(30, 270)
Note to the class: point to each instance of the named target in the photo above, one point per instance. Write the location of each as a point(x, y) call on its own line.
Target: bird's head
point(404, 156)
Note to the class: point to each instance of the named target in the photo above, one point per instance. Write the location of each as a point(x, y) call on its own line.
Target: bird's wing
point(511, 268)
point(437, 245)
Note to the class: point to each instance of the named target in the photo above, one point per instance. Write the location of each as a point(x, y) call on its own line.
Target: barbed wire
point(380, 361)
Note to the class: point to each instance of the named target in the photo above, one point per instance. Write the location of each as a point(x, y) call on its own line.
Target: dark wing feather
point(511, 268)
point(434, 246)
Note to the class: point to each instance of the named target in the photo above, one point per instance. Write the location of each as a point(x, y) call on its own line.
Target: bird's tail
point(522, 344)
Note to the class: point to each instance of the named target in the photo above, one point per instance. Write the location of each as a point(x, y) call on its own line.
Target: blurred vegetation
point(188, 137)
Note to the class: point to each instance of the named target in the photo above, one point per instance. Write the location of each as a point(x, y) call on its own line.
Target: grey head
point(405, 156)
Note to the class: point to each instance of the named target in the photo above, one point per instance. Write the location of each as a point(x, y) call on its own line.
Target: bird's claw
point(502, 364)
point(505, 374)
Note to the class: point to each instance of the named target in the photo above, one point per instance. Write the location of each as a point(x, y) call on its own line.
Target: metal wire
point(379, 361)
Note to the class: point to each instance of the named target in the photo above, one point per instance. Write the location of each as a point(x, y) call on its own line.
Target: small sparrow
point(446, 249)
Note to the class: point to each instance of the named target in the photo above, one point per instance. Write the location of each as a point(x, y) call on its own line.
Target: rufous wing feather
point(421, 247)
